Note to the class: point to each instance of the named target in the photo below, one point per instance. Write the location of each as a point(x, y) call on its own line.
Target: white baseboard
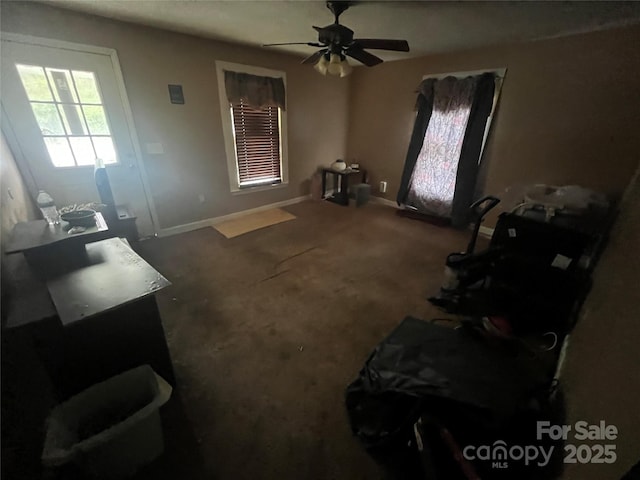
point(384, 201)
point(187, 227)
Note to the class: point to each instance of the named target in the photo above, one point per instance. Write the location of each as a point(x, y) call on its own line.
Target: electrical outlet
point(201, 198)
point(383, 187)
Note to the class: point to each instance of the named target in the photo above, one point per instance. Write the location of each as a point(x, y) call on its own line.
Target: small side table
point(341, 181)
point(38, 234)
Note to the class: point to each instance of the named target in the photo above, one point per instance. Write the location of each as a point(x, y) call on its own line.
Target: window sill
point(261, 188)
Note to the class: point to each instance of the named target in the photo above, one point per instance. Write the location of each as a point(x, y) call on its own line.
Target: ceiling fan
point(336, 42)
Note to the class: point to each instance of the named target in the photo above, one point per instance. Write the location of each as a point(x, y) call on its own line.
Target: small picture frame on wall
point(176, 95)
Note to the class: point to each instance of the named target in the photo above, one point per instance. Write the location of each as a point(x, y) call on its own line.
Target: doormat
point(253, 221)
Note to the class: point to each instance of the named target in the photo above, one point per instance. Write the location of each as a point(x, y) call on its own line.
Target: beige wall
point(568, 112)
point(194, 161)
point(16, 204)
point(601, 377)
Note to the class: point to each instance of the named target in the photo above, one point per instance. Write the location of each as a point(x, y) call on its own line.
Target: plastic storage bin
point(361, 193)
point(111, 429)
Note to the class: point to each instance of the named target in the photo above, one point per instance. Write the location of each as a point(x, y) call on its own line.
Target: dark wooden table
point(341, 184)
point(35, 234)
point(107, 275)
point(27, 300)
point(91, 313)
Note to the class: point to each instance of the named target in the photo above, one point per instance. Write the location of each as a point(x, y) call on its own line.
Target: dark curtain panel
point(433, 181)
point(424, 106)
point(468, 164)
point(256, 91)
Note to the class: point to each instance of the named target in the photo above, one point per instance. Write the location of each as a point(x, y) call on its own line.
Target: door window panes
point(83, 151)
point(96, 119)
point(35, 83)
point(59, 151)
point(48, 118)
point(87, 87)
point(105, 149)
point(70, 113)
point(62, 85)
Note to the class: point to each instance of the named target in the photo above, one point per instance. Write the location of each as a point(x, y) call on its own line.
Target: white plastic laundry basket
point(112, 428)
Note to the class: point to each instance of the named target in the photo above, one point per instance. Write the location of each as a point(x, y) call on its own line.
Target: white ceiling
point(429, 27)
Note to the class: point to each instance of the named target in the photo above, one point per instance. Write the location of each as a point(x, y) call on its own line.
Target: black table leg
point(340, 186)
point(344, 190)
point(324, 184)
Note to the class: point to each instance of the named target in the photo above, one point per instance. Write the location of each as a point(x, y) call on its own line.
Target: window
point(70, 114)
point(451, 127)
point(255, 138)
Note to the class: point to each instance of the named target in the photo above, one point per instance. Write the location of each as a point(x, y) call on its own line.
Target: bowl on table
point(80, 218)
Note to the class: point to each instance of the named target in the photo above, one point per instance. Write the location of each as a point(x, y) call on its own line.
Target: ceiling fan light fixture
point(345, 68)
point(334, 64)
point(336, 40)
point(321, 66)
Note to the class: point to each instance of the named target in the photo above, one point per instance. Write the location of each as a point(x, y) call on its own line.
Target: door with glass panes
point(65, 110)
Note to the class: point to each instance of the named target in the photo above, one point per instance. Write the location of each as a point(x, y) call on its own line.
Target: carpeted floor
point(267, 329)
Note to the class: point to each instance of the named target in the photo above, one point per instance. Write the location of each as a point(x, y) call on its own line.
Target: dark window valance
point(425, 92)
point(255, 91)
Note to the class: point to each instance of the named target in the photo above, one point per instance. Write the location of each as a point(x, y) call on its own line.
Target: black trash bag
point(384, 425)
point(465, 381)
point(634, 473)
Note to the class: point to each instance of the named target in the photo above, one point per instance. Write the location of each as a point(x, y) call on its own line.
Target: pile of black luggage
point(463, 399)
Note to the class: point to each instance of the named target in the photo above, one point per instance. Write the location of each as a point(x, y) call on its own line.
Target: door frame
point(7, 127)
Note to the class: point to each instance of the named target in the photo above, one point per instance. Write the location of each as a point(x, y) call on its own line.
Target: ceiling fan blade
point(382, 44)
point(311, 44)
point(315, 57)
point(359, 54)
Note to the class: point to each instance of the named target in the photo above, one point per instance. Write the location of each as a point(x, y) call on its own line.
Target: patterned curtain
point(424, 108)
point(433, 182)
